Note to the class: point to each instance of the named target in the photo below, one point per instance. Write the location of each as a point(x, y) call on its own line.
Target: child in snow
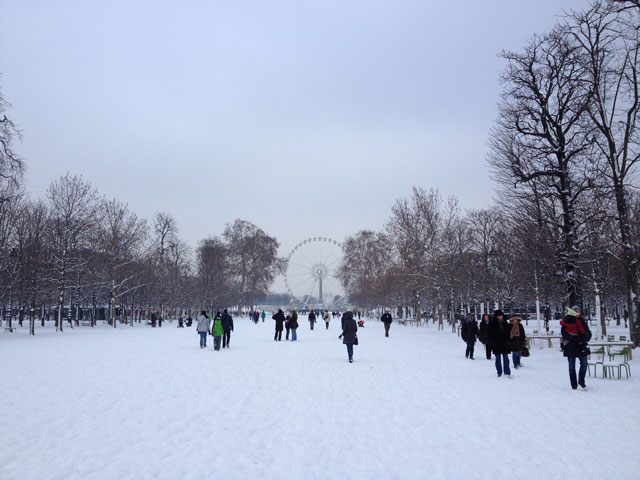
point(571, 323)
point(217, 331)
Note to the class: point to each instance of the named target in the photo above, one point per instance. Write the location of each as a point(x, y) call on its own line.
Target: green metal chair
point(596, 362)
point(619, 352)
point(611, 367)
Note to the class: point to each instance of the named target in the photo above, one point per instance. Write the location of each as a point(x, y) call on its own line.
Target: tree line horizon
point(564, 226)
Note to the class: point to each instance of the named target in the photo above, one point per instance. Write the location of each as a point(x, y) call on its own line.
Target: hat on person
point(572, 312)
point(576, 308)
point(498, 313)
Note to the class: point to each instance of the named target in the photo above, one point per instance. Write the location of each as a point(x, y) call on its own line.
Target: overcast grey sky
point(306, 118)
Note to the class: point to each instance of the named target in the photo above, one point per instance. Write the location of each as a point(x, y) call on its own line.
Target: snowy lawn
point(143, 403)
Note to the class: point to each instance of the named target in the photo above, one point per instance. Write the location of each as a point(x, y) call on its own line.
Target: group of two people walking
point(220, 330)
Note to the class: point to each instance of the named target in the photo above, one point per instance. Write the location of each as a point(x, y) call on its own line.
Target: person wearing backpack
point(217, 331)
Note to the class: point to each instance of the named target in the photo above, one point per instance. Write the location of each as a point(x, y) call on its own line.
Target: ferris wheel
point(311, 272)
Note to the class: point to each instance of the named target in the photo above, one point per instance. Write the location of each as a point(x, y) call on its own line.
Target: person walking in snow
point(349, 336)
point(279, 318)
point(499, 338)
point(469, 334)
point(287, 327)
point(227, 325)
point(327, 318)
point(484, 334)
point(517, 340)
point(203, 328)
point(386, 319)
point(312, 319)
point(293, 325)
point(263, 315)
point(575, 336)
point(217, 330)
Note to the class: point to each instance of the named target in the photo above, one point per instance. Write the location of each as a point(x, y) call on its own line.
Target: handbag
point(525, 352)
point(356, 341)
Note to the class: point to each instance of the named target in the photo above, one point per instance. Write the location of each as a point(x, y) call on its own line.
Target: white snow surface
point(148, 403)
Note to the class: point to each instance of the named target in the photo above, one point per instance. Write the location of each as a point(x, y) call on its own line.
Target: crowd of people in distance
point(499, 336)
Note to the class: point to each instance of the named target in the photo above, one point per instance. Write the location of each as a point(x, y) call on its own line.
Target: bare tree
point(253, 259)
point(32, 247)
point(610, 42)
point(212, 271)
point(119, 242)
point(72, 208)
point(540, 139)
point(365, 266)
point(11, 165)
point(165, 229)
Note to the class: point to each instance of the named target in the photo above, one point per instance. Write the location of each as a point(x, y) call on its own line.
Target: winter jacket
point(227, 321)
point(203, 324)
point(279, 318)
point(349, 328)
point(386, 318)
point(575, 345)
point(469, 331)
point(499, 336)
point(326, 317)
point(293, 320)
point(517, 344)
point(217, 330)
point(484, 332)
point(312, 316)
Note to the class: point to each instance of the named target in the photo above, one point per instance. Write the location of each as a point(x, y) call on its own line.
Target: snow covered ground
point(143, 403)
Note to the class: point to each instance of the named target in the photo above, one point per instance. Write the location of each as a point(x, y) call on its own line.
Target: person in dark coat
point(517, 340)
point(386, 319)
point(469, 334)
point(499, 337)
point(312, 319)
point(349, 329)
point(484, 334)
point(227, 326)
point(279, 318)
point(287, 327)
point(293, 325)
point(575, 335)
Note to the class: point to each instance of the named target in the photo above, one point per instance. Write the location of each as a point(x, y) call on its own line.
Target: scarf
point(515, 330)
